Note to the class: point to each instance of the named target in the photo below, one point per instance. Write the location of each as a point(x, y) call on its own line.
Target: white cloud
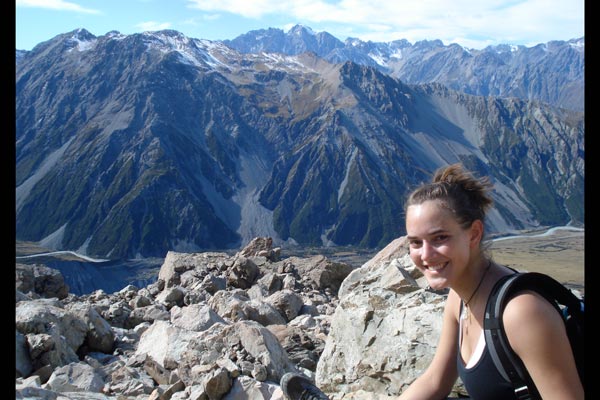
point(153, 26)
point(56, 5)
point(459, 21)
point(245, 8)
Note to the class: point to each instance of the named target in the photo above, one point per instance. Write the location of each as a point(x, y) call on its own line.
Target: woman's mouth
point(436, 267)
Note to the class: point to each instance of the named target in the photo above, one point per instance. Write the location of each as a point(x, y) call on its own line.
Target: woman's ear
point(476, 233)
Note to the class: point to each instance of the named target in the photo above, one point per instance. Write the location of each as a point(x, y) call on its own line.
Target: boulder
point(76, 377)
point(100, 336)
point(385, 329)
point(40, 279)
point(195, 317)
point(54, 334)
point(23, 364)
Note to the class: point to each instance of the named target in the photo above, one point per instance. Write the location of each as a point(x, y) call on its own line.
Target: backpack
point(506, 360)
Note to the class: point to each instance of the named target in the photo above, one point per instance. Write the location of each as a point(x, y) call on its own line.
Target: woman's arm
point(537, 333)
point(439, 378)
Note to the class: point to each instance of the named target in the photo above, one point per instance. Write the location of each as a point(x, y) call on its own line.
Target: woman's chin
point(437, 283)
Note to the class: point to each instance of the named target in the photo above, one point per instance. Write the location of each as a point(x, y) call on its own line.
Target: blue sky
point(471, 23)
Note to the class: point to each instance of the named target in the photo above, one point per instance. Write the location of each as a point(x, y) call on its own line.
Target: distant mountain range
point(132, 145)
point(551, 72)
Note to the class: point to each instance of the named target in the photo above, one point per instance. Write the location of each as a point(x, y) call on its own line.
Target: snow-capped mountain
point(133, 145)
point(551, 72)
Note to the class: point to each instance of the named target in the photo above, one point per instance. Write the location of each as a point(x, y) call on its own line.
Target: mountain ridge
point(500, 70)
point(188, 144)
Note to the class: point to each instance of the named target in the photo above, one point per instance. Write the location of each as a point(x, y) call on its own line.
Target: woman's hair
point(459, 191)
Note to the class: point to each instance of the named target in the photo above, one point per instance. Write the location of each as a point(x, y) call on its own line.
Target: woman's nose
point(427, 251)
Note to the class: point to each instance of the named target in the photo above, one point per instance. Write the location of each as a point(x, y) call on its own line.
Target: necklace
point(467, 313)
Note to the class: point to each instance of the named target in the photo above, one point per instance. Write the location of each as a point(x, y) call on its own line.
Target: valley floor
point(556, 252)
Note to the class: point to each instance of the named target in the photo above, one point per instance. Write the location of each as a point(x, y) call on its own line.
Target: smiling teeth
point(436, 267)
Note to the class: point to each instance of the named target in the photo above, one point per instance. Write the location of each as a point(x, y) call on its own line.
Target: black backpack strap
point(507, 362)
point(509, 365)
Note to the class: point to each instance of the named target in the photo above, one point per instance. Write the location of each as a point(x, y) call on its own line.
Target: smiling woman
point(444, 224)
point(445, 227)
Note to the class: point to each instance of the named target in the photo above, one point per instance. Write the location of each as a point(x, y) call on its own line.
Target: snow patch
point(82, 45)
point(192, 52)
point(580, 44)
point(189, 59)
point(378, 59)
point(397, 54)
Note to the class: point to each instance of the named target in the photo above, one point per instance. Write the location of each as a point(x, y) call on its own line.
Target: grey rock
point(217, 383)
point(100, 336)
point(171, 296)
point(195, 317)
point(247, 388)
point(243, 273)
point(287, 302)
point(75, 377)
point(130, 381)
point(62, 331)
point(40, 279)
point(23, 364)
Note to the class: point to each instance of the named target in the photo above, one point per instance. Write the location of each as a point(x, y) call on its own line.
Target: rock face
point(194, 334)
point(385, 329)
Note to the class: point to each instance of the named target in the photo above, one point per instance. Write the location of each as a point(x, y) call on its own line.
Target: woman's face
point(439, 246)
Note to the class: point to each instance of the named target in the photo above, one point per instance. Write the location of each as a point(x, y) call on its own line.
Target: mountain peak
point(81, 39)
point(82, 35)
point(300, 29)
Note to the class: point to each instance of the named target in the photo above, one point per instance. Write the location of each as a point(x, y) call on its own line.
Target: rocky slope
point(228, 327)
point(129, 146)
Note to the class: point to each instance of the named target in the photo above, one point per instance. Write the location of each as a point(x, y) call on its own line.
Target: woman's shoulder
point(528, 315)
point(453, 303)
point(527, 301)
point(528, 305)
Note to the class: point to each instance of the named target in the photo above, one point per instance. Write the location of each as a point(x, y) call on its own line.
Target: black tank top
point(483, 381)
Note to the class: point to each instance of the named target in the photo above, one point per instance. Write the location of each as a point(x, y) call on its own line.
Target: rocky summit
point(217, 326)
point(130, 146)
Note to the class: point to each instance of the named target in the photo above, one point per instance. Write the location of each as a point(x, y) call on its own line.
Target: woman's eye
point(415, 243)
point(441, 238)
